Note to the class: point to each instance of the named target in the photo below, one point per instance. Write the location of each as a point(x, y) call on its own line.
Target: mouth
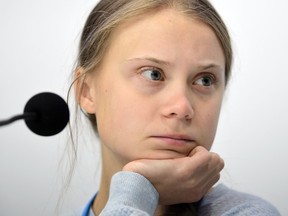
point(175, 139)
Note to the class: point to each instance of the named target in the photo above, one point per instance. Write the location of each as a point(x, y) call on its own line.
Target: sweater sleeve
point(131, 194)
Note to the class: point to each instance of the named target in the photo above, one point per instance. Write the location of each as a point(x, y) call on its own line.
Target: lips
point(178, 139)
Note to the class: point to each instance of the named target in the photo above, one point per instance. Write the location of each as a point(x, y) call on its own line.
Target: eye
point(153, 74)
point(206, 80)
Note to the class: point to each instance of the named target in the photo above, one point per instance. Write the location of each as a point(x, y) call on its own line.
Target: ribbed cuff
point(132, 190)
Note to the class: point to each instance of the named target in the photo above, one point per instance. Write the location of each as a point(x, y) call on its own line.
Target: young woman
point(151, 76)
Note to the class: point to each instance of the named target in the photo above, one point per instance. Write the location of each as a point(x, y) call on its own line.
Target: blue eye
point(206, 80)
point(153, 74)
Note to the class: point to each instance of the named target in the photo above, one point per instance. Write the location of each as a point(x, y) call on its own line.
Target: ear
point(84, 91)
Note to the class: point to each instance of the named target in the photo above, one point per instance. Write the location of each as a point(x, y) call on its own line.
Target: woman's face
point(158, 91)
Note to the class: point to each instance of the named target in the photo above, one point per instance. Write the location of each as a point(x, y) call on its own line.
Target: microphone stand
point(25, 116)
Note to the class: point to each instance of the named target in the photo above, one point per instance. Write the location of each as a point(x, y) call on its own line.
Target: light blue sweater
point(132, 194)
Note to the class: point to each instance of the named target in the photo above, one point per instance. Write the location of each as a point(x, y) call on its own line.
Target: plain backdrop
point(38, 44)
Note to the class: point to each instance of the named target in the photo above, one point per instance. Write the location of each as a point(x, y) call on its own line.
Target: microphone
point(45, 114)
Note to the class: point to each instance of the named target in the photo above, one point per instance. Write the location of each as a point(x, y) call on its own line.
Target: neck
point(102, 196)
point(110, 166)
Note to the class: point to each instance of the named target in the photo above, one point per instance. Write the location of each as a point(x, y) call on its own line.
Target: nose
point(179, 106)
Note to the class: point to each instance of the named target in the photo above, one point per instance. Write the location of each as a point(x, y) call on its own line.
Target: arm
point(130, 194)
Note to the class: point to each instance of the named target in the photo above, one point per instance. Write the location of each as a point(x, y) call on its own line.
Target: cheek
point(119, 115)
point(110, 113)
point(120, 128)
point(209, 121)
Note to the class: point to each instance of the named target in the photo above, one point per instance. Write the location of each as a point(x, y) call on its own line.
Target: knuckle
point(205, 157)
point(197, 195)
point(214, 180)
point(217, 177)
point(222, 164)
point(215, 156)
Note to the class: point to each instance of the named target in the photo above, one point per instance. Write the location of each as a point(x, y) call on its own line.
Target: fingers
point(202, 162)
point(198, 173)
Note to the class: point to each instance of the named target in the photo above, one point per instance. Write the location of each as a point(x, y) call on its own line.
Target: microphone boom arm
point(25, 116)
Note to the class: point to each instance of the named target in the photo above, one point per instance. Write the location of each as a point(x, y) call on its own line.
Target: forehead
point(163, 33)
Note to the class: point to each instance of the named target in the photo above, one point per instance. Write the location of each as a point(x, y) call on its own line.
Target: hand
point(181, 180)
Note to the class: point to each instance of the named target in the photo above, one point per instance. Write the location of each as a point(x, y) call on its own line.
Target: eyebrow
point(151, 59)
point(209, 66)
point(166, 63)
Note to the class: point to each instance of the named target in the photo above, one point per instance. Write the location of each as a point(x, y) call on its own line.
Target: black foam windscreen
point(52, 114)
